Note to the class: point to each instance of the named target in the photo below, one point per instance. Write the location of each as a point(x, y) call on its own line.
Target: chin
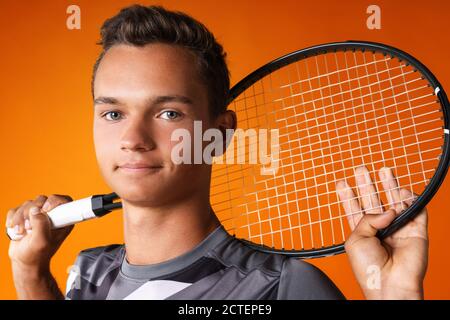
point(134, 185)
point(143, 193)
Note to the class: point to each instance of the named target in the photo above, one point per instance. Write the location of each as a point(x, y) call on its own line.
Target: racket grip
point(68, 214)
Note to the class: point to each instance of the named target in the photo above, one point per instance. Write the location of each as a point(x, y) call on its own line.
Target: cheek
point(195, 138)
point(163, 138)
point(104, 142)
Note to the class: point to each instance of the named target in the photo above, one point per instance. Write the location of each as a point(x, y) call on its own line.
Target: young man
point(158, 72)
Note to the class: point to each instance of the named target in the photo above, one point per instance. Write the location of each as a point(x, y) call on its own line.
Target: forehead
point(156, 69)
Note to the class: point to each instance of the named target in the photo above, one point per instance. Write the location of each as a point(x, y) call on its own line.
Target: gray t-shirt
point(220, 267)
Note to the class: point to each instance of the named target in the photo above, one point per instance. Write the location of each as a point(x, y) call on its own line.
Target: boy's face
point(142, 94)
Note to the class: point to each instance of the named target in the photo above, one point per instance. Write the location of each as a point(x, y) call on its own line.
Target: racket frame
point(441, 171)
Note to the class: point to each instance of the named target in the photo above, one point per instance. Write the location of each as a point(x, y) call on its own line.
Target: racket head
point(253, 87)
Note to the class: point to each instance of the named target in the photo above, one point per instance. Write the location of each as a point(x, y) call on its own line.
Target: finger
point(27, 225)
point(18, 219)
point(10, 224)
point(391, 189)
point(40, 224)
point(350, 203)
point(407, 196)
point(38, 202)
point(9, 217)
point(369, 225)
point(369, 196)
point(55, 200)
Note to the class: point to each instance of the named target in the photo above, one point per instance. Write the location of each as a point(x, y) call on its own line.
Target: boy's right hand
point(39, 242)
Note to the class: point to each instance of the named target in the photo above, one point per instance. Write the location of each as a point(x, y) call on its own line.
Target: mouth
point(139, 168)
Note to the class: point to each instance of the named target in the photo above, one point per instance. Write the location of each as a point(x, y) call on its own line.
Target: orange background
point(46, 107)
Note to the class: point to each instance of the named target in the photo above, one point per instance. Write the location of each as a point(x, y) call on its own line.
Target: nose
point(137, 136)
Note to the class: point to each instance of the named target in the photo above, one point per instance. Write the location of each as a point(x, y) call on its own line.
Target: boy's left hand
point(395, 267)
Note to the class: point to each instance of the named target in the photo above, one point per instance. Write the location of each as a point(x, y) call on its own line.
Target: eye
point(170, 115)
point(114, 115)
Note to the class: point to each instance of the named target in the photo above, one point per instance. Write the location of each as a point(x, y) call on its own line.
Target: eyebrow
point(152, 101)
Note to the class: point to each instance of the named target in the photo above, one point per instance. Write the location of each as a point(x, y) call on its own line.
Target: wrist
point(395, 293)
point(29, 273)
point(35, 282)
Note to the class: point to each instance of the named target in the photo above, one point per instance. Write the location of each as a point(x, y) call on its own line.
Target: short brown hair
point(140, 25)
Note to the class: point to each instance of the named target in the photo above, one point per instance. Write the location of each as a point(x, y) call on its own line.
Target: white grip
point(64, 215)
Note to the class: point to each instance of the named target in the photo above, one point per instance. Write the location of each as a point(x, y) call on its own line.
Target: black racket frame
point(363, 46)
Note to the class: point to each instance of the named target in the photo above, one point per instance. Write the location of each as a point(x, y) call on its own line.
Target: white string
point(310, 151)
point(343, 82)
point(300, 190)
point(400, 126)
point(334, 72)
point(301, 157)
point(349, 168)
point(291, 152)
point(387, 149)
point(321, 150)
point(350, 91)
point(338, 202)
point(254, 179)
point(294, 106)
point(415, 131)
point(353, 109)
point(284, 179)
point(345, 215)
point(364, 122)
point(365, 104)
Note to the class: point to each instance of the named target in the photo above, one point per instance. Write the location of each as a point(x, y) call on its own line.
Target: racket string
point(362, 211)
point(346, 168)
point(350, 91)
point(400, 126)
point(426, 180)
point(358, 156)
point(266, 194)
point(328, 74)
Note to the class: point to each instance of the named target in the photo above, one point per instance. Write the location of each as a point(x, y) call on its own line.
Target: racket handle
point(76, 211)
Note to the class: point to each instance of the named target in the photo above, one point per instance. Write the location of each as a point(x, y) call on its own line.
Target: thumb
point(369, 225)
point(40, 224)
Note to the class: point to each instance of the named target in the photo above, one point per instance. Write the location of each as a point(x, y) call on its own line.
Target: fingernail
point(27, 224)
point(17, 229)
point(46, 206)
point(34, 211)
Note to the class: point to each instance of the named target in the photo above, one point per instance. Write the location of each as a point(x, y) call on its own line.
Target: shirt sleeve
point(73, 279)
point(300, 280)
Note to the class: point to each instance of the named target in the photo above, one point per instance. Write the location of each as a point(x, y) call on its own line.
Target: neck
point(154, 235)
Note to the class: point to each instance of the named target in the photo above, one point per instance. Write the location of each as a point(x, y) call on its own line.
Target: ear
point(226, 121)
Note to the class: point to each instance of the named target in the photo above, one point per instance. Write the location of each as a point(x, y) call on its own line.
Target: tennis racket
point(336, 107)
